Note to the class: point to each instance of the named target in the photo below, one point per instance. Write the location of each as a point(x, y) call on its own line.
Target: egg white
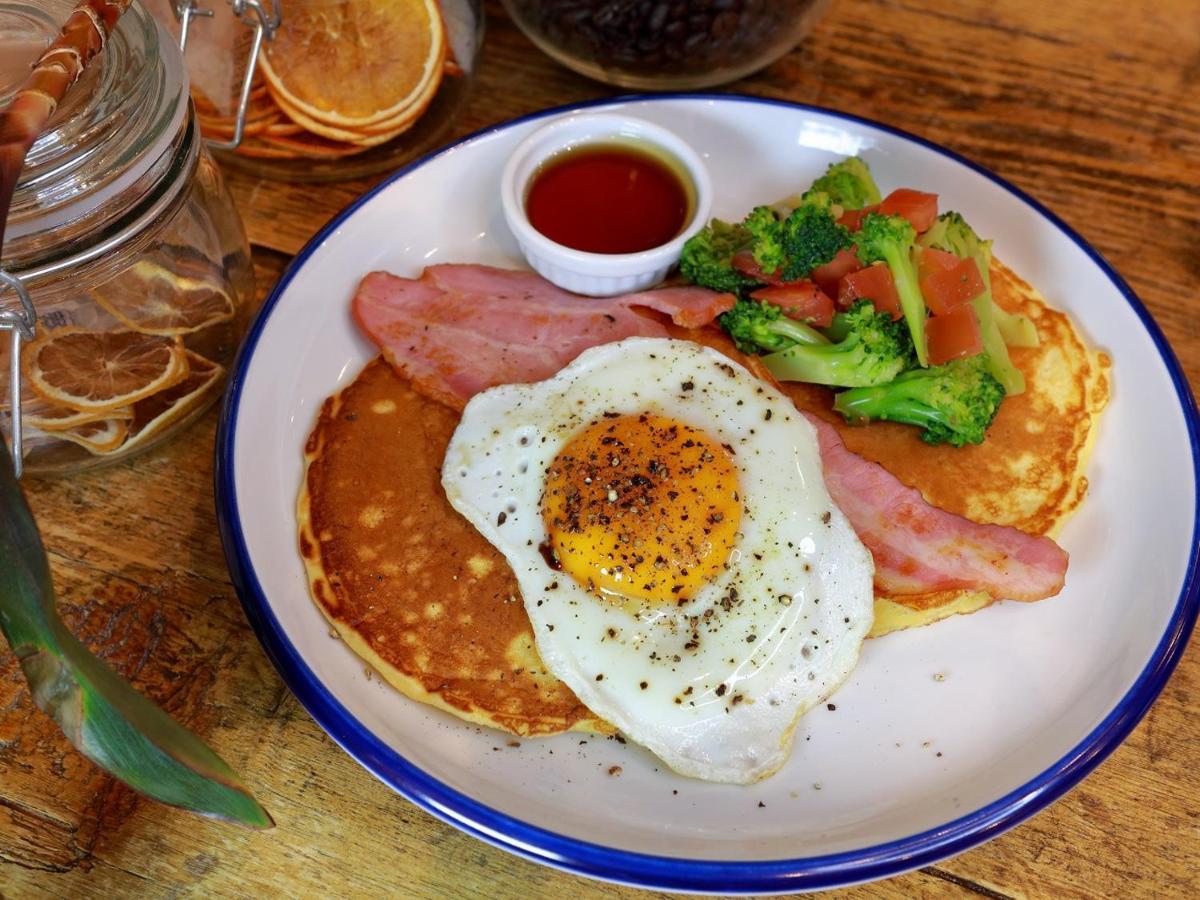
point(779, 629)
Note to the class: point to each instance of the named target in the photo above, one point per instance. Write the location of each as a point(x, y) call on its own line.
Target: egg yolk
point(642, 507)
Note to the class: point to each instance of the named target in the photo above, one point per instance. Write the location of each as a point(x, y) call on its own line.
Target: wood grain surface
point(1093, 106)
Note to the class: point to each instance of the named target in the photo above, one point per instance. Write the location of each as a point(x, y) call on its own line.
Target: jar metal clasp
point(263, 16)
point(20, 323)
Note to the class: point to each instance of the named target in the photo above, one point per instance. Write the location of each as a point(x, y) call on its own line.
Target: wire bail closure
point(261, 15)
point(20, 323)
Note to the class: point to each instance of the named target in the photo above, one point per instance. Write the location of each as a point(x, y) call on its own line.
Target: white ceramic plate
point(910, 767)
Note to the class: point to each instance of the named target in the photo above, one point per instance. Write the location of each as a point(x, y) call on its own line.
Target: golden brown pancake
point(1029, 473)
point(408, 583)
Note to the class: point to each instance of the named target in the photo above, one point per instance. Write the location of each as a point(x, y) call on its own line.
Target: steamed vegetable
point(848, 184)
point(801, 300)
point(889, 239)
point(952, 234)
point(870, 349)
point(757, 327)
point(918, 207)
point(874, 283)
point(920, 339)
point(953, 335)
point(707, 257)
point(790, 248)
point(952, 403)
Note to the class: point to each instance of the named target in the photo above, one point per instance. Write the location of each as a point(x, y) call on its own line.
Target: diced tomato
point(954, 335)
point(874, 283)
point(916, 206)
point(801, 300)
point(829, 275)
point(947, 289)
point(744, 262)
point(931, 260)
point(852, 218)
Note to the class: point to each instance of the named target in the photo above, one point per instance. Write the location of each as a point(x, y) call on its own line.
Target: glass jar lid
point(105, 145)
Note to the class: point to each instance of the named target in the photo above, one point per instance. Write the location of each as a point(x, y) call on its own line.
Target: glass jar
point(129, 246)
point(285, 142)
point(664, 44)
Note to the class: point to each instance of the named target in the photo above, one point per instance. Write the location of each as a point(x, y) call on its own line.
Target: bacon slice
point(459, 329)
point(919, 548)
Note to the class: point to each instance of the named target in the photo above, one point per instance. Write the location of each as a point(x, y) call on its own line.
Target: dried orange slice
point(102, 370)
point(334, 128)
point(367, 136)
point(258, 112)
point(257, 149)
point(53, 418)
point(154, 414)
point(99, 437)
point(50, 417)
point(224, 128)
point(333, 133)
point(351, 65)
point(297, 145)
point(283, 128)
point(152, 299)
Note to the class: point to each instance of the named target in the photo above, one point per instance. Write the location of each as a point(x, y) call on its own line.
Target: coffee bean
point(658, 17)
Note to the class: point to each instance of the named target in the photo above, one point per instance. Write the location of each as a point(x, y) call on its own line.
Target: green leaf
point(107, 720)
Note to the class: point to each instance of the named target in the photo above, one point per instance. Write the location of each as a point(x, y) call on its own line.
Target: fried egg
point(683, 566)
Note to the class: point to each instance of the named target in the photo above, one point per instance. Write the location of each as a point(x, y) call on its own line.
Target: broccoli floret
point(953, 403)
point(874, 350)
point(766, 239)
point(812, 237)
point(757, 327)
point(707, 257)
point(889, 239)
point(848, 184)
point(952, 233)
point(793, 246)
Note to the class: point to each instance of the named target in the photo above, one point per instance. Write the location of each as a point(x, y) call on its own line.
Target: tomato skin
point(744, 262)
point(954, 335)
point(852, 218)
point(930, 260)
point(800, 300)
point(830, 275)
point(874, 283)
point(947, 289)
point(918, 207)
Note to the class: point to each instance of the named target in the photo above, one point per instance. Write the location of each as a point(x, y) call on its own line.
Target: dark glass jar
point(664, 44)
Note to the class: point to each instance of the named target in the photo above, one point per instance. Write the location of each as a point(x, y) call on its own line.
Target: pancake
point(1029, 473)
point(405, 581)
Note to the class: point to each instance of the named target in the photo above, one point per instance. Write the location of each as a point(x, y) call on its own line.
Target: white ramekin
point(598, 274)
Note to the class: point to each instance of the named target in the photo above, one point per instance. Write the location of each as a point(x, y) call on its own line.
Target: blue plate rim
point(672, 873)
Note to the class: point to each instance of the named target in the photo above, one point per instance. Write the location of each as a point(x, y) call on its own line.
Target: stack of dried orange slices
point(339, 78)
point(112, 391)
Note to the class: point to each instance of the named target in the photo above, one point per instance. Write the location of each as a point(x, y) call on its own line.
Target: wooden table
point(1091, 105)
